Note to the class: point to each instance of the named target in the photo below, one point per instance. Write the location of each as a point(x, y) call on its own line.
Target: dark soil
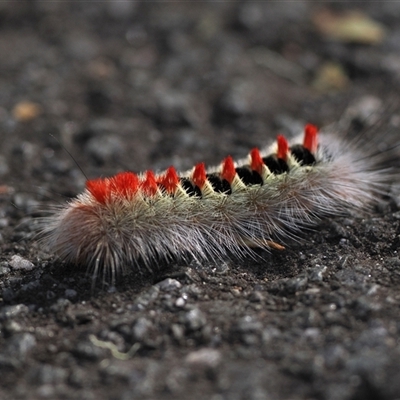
point(129, 85)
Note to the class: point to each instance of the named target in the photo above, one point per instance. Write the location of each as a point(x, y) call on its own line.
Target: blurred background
point(134, 85)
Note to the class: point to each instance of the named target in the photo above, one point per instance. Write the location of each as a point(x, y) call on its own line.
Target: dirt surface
point(133, 85)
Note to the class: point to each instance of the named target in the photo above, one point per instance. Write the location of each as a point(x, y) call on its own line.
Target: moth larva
point(130, 220)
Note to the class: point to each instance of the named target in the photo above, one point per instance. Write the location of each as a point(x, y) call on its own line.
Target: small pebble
point(169, 284)
point(194, 319)
point(180, 302)
point(256, 297)
point(141, 328)
point(8, 312)
point(208, 358)
point(20, 344)
point(18, 262)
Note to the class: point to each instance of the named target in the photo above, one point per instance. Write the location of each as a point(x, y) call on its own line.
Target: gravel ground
point(129, 85)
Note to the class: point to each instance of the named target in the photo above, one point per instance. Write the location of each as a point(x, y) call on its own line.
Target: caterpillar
point(133, 220)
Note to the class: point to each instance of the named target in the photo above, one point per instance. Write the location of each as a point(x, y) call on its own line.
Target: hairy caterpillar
point(130, 220)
